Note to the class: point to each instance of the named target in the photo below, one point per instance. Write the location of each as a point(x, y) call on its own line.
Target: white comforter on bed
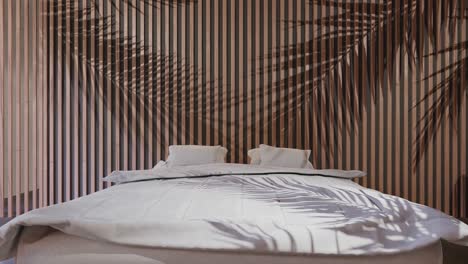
point(256, 209)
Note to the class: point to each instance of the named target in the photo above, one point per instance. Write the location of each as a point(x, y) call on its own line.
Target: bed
point(232, 213)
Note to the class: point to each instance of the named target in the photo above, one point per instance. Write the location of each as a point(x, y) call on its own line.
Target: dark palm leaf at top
point(144, 73)
point(379, 38)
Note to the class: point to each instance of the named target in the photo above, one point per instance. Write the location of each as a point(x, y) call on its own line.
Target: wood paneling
point(21, 107)
point(90, 86)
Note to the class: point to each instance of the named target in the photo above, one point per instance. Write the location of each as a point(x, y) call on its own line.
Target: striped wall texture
point(90, 86)
point(23, 145)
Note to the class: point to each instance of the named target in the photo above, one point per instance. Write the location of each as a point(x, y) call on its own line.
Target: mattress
point(58, 248)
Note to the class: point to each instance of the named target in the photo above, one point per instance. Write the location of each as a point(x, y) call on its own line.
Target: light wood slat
point(233, 83)
point(100, 99)
point(9, 102)
point(148, 42)
point(173, 72)
point(329, 96)
point(51, 109)
point(60, 105)
point(39, 91)
point(198, 49)
point(224, 75)
point(379, 68)
point(390, 109)
point(256, 82)
point(209, 77)
point(126, 99)
point(34, 87)
point(248, 65)
point(190, 72)
point(464, 126)
point(84, 99)
point(404, 87)
point(67, 104)
point(92, 98)
point(30, 144)
point(110, 92)
point(23, 117)
point(134, 100)
point(414, 117)
point(3, 152)
point(157, 48)
point(76, 162)
point(180, 79)
point(349, 136)
point(141, 147)
point(117, 91)
point(18, 81)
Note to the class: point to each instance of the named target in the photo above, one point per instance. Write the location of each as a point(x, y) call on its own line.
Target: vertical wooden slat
point(263, 77)
point(255, 96)
point(241, 62)
point(92, 100)
point(19, 82)
point(225, 95)
point(250, 7)
point(125, 122)
point(32, 64)
point(25, 106)
point(116, 84)
point(101, 93)
point(149, 16)
point(132, 27)
point(280, 113)
point(108, 132)
point(60, 67)
point(403, 103)
point(9, 102)
point(67, 103)
point(157, 47)
point(76, 113)
point(214, 55)
point(3, 38)
point(463, 176)
point(49, 19)
point(381, 97)
point(141, 102)
point(40, 97)
point(365, 105)
point(198, 64)
point(232, 82)
point(84, 100)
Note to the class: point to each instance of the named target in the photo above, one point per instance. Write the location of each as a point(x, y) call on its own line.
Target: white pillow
point(184, 155)
point(254, 155)
point(284, 157)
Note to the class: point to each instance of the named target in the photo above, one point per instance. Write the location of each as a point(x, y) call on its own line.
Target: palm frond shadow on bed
point(333, 206)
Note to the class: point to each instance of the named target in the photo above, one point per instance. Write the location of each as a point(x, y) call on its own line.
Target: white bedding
point(276, 213)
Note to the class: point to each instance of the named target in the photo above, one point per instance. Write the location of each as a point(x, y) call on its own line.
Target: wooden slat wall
point(22, 136)
point(90, 86)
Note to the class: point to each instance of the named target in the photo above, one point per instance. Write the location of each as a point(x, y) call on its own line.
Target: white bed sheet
point(256, 212)
point(60, 248)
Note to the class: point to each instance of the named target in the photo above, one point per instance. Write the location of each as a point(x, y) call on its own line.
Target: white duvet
point(244, 208)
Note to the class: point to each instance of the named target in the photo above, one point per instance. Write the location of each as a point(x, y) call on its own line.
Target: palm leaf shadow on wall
point(322, 80)
point(376, 45)
point(145, 79)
